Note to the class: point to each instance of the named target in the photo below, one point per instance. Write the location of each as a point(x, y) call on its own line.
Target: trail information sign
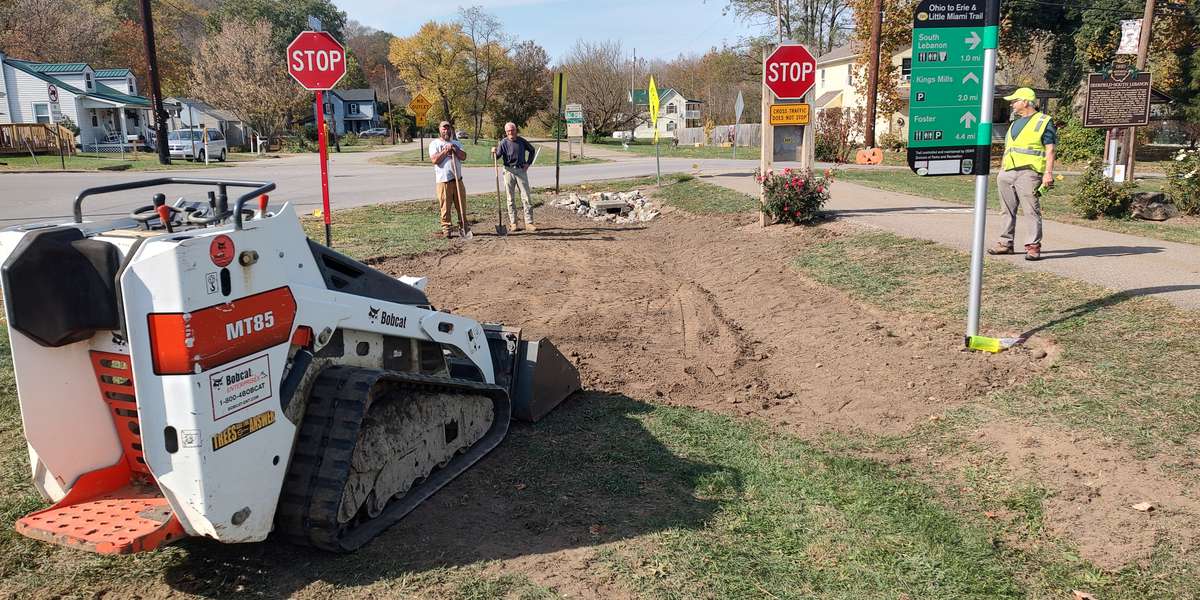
point(948, 134)
point(1114, 100)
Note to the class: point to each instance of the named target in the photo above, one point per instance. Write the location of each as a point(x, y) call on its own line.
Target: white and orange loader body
point(200, 371)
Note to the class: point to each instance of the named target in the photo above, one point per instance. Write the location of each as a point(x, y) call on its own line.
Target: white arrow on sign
point(971, 77)
point(967, 119)
point(974, 40)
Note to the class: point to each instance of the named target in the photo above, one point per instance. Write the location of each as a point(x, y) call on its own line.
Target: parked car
point(375, 132)
point(190, 144)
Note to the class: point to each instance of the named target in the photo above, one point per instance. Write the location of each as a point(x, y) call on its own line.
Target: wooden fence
point(23, 138)
point(748, 134)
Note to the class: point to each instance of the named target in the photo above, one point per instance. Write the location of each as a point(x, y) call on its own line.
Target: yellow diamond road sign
point(419, 105)
point(652, 92)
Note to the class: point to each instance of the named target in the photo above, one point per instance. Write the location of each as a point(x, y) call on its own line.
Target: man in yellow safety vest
point(1026, 171)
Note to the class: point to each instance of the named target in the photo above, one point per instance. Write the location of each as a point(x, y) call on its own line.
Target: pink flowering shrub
point(795, 196)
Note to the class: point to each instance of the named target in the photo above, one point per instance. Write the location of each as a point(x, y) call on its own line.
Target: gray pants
point(1017, 187)
point(514, 178)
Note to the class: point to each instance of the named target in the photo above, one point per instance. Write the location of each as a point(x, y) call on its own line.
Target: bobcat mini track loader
point(199, 371)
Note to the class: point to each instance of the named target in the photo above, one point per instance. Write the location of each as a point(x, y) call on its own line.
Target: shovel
point(463, 230)
point(501, 230)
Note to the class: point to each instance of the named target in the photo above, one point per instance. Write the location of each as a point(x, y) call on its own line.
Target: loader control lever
point(160, 210)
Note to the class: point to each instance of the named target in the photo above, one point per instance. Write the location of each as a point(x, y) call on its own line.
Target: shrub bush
point(892, 142)
point(795, 196)
point(1098, 196)
point(837, 129)
point(350, 139)
point(1183, 181)
point(1077, 143)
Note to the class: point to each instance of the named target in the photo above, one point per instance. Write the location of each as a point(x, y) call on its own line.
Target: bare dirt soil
point(708, 313)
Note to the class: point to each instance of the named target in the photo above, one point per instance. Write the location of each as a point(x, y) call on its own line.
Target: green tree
point(434, 60)
point(287, 17)
point(525, 87)
point(355, 78)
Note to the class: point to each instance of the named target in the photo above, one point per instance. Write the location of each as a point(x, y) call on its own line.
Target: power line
point(1083, 8)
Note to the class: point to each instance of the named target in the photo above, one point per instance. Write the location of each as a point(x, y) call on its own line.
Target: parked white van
point(189, 144)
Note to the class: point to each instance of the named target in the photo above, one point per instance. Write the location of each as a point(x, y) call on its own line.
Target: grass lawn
point(646, 148)
point(478, 155)
point(1055, 205)
point(142, 161)
point(752, 512)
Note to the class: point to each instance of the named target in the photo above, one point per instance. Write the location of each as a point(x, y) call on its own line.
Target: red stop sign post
point(317, 61)
point(790, 72)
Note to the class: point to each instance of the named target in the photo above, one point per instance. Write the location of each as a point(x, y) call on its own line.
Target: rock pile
point(613, 207)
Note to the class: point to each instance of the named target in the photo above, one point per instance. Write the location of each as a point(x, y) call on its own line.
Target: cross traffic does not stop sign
point(790, 71)
point(316, 60)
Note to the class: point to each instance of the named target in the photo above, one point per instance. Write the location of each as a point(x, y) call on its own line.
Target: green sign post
point(950, 106)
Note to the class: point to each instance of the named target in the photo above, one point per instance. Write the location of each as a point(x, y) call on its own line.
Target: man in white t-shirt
point(446, 175)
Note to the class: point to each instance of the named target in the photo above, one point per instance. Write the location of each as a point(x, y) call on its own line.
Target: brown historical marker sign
point(1114, 101)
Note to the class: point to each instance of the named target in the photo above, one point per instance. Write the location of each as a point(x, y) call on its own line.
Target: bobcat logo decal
point(373, 314)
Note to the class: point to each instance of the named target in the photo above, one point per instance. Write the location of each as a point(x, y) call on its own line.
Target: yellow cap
point(1025, 94)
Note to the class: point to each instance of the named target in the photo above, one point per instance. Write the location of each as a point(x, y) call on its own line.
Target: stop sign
point(790, 71)
point(316, 60)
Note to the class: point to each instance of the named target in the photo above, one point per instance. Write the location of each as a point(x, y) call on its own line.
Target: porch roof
point(105, 95)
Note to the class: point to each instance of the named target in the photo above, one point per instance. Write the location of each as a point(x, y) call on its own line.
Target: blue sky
point(657, 29)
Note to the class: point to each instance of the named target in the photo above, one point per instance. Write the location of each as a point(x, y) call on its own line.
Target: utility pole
point(160, 115)
point(873, 71)
point(387, 83)
point(1143, 53)
point(779, 18)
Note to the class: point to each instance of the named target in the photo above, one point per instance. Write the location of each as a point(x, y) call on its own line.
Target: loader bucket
point(537, 375)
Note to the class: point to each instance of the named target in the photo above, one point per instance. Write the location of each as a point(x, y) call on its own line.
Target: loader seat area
point(60, 288)
point(344, 274)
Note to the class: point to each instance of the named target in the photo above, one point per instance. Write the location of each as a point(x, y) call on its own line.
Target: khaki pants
point(447, 195)
point(514, 178)
point(1017, 187)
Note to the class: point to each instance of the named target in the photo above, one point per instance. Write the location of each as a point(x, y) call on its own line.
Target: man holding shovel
point(517, 154)
point(447, 154)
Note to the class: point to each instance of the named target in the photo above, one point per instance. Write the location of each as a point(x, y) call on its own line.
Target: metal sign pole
point(981, 190)
point(324, 169)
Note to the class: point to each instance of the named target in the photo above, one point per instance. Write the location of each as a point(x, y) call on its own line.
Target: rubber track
point(339, 399)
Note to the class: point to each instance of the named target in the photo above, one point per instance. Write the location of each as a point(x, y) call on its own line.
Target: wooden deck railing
point(22, 138)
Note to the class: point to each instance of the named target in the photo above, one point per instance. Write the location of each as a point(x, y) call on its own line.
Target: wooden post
point(767, 145)
point(1143, 52)
point(808, 142)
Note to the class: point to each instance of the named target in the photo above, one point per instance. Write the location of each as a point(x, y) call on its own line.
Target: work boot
point(1001, 248)
point(530, 227)
point(446, 233)
point(1033, 252)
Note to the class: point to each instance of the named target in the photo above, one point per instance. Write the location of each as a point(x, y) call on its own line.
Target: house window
point(95, 119)
point(87, 80)
point(670, 109)
point(41, 112)
point(849, 76)
point(905, 69)
point(132, 88)
point(329, 108)
point(822, 71)
point(353, 108)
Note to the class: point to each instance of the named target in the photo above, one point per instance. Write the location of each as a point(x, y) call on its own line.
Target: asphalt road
point(353, 181)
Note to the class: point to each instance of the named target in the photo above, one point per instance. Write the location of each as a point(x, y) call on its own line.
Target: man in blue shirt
point(517, 154)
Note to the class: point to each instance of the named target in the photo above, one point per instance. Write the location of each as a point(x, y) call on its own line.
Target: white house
point(836, 71)
point(189, 112)
point(351, 111)
point(674, 112)
point(103, 103)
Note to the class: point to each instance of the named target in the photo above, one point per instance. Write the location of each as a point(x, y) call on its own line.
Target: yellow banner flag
point(652, 92)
